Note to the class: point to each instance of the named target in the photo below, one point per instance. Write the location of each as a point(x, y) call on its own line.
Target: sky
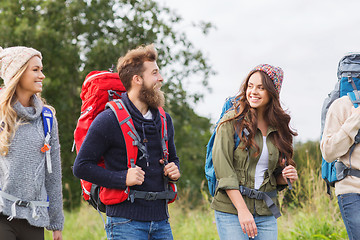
point(306, 38)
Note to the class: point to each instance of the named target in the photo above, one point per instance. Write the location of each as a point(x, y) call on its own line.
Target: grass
point(86, 224)
point(307, 213)
point(82, 224)
point(317, 218)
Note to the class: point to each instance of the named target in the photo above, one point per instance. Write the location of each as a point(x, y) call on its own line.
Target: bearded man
point(140, 218)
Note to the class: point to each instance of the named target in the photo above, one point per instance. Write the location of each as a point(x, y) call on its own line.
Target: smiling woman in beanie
point(30, 168)
point(245, 200)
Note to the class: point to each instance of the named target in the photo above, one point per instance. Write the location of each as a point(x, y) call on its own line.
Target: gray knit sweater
point(24, 174)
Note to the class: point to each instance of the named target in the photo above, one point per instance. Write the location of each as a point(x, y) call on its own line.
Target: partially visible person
point(30, 182)
point(245, 200)
point(341, 126)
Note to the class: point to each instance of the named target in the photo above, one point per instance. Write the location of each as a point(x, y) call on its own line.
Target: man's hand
point(171, 170)
point(135, 176)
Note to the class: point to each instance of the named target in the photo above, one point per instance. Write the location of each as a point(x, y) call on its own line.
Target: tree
point(76, 37)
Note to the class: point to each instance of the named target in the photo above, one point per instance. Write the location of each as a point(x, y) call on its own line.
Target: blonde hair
point(9, 121)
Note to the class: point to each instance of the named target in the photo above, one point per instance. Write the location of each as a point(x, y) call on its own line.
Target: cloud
point(306, 38)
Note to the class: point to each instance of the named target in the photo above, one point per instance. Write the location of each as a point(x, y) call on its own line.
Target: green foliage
point(308, 211)
point(196, 224)
point(307, 157)
point(84, 223)
point(191, 136)
point(308, 153)
point(76, 37)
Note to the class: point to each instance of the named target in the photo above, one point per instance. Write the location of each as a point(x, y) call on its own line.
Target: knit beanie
point(276, 74)
point(12, 59)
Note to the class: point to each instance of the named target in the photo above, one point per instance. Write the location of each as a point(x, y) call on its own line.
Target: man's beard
point(152, 96)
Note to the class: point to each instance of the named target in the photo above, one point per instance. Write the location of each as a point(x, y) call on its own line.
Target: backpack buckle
point(22, 203)
point(151, 196)
point(254, 194)
point(251, 193)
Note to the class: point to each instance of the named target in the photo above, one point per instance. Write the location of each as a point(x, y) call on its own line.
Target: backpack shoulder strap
point(354, 97)
point(132, 139)
point(164, 134)
point(48, 118)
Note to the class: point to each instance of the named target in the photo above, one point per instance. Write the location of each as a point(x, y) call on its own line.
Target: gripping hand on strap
point(289, 174)
point(135, 176)
point(170, 170)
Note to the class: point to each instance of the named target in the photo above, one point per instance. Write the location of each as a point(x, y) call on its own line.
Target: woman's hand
point(245, 217)
point(247, 222)
point(57, 235)
point(290, 173)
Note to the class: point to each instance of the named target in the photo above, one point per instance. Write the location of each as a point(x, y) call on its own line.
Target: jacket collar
point(270, 130)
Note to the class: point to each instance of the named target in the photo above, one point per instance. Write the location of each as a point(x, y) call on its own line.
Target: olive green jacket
point(232, 168)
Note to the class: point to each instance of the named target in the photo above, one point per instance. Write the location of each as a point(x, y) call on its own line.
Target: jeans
point(127, 229)
point(229, 228)
point(350, 211)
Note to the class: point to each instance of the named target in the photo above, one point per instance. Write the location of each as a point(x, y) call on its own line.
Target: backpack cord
point(102, 218)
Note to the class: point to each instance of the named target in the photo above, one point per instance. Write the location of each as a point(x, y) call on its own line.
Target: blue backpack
point(209, 167)
point(348, 84)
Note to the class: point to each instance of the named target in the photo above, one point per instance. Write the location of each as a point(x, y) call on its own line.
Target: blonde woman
point(30, 168)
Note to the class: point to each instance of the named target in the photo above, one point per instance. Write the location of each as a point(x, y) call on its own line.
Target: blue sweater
point(105, 138)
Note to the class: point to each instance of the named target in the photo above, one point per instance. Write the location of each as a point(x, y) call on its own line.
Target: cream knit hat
point(12, 59)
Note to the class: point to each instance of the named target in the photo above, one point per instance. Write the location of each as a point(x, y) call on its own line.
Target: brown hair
point(274, 115)
point(132, 63)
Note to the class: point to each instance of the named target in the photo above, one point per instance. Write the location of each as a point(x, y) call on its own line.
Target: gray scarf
point(29, 113)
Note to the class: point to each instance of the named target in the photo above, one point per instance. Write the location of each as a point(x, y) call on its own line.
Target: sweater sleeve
point(98, 140)
point(341, 127)
point(223, 155)
point(53, 183)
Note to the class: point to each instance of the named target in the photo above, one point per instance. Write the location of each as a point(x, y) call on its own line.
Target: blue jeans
point(127, 229)
point(229, 228)
point(350, 211)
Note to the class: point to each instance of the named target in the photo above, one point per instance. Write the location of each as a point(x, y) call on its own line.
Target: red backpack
point(102, 90)
point(98, 88)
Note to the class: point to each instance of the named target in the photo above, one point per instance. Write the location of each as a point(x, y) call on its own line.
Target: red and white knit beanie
point(12, 59)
